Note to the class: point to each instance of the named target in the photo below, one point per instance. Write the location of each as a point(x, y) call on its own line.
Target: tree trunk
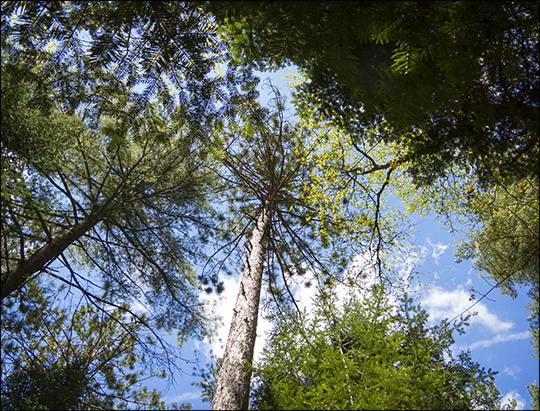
point(232, 389)
point(15, 278)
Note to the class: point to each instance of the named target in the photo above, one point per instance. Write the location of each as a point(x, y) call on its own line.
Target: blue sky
point(498, 336)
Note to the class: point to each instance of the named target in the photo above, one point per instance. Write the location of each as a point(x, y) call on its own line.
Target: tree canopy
point(506, 246)
point(104, 188)
point(160, 46)
point(76, 355)
point(461, 74)
point(122, 142)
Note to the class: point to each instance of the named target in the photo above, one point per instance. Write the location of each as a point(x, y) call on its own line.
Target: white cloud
point(186, 396)
point(403, 261)
point(512, 371)
point(304, 295)
point(360, 277)
point(438, 250)
point(263, 328)
point(442, 304)
point(521, 403)
point(223, 304)
point(498, 339)
point(138, 307)
point(491, 320)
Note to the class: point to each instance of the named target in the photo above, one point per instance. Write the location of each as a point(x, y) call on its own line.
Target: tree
point(118, 198)
point(460, 76)
point(368, 353)
point(455, 82)
point(63, 356)
point(53, 93)
point(101, 179)
point(263, 156)
point(506, 245)
point(534, 392)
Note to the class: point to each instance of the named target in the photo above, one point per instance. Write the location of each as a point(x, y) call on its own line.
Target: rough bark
point(15, 278)
point(232, 389)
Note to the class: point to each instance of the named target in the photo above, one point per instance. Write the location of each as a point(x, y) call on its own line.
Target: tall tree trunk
point(232, 389)
point(15, 278)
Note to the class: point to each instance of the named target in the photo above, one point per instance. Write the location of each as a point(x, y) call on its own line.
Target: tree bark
point(15, 278)
point(232, 389)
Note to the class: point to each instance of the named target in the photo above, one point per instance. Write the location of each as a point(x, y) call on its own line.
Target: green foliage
point(74, 357)
point(505, 246)
point(28, 125)
point(79, 144)
point(140, 176)
point(460, 76)
point(534, 392)
point(46, 387)
point(348, 187)
point(436, 91)
point(168, 48)
point(368, 354)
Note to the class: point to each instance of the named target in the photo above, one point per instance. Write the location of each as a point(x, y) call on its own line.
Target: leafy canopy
point(460, 76)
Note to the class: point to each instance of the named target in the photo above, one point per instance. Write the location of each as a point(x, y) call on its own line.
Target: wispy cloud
point(186, 396)
point(499, 338)
point(438, 250)
point(512, 371)
point(407, 259)
point(442, 304)
point(138, 307)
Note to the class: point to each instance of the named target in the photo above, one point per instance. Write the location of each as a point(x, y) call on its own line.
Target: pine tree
point(264, 158)
point(59, 352)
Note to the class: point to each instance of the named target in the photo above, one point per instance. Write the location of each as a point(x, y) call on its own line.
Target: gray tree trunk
point(15, 278)
point(232, 389)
